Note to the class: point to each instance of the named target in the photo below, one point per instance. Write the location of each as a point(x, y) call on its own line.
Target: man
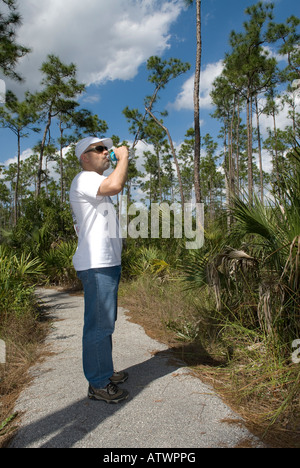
point(98, 261)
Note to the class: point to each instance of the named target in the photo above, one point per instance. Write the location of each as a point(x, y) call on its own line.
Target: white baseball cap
point(83, 144)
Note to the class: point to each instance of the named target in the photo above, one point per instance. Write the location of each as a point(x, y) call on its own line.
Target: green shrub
point(17, 276)
point(59, 264)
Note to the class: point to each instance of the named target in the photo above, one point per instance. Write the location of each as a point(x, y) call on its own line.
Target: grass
point(23, 338)
point(165, 312)
point(21, 329)
point(242, 365)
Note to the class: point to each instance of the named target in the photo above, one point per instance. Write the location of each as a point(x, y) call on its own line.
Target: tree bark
point(40, 169)
point(17, 182)
point(197, 183)
point(259, 153)
point(249, 149)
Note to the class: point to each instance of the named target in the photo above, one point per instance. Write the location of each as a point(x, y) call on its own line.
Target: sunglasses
point(97, 149)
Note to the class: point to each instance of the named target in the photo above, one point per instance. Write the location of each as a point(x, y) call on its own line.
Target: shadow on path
point(164, 406)
point(72, 423)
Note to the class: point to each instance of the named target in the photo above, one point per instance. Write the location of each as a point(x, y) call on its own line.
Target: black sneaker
point(119, 377)
point(110, 394)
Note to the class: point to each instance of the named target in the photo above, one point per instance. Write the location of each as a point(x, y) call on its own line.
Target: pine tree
point(60, 88)
point(10, 50)
point(197, 154)
point(17, 116)
point(249, 70)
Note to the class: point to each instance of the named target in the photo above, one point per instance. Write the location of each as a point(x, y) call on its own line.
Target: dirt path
point(167, 407)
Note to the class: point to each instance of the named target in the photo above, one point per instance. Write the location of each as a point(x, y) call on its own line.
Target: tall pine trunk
point(259, 153)
point(16, 207)
point(61, 168)
point(249, 147)
point(40, 169)
point(197, 184)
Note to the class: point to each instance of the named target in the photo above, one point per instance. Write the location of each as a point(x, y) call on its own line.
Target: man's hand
point(121, 152)
point(115, 182)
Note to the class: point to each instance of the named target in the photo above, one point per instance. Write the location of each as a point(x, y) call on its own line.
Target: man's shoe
point(119, 377)
point(110, 394)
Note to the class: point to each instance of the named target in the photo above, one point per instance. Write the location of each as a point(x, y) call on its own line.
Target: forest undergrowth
point(240, 364)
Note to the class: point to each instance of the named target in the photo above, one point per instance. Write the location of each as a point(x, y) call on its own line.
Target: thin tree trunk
point(40, 168)
point(159, 174)
point(276, 152)
point(226, 171)
point(61, 165)
point(230, 155)
point(238, 148)
point(259, 153)
point(197, 155)
point(249, 147)
point(17, 181)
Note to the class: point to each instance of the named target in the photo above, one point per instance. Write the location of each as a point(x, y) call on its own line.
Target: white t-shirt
point(96, 224)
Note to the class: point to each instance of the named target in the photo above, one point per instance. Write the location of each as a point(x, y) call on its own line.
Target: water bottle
point(113, 156)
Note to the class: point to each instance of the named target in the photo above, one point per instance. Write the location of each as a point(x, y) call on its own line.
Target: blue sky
point(110, 42)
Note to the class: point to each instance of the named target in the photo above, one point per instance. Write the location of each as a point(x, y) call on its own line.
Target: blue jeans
point(100, 287)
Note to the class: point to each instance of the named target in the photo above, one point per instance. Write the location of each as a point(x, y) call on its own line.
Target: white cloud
point(266, 157)
point(91, 98)
point(23, 156)
point(185, 99)
point(107, 40)
point(273, 54)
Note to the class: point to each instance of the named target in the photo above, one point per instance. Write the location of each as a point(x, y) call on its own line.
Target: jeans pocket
point(83, 275)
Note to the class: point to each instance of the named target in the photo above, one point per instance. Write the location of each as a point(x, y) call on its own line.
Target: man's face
point(96, 158)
